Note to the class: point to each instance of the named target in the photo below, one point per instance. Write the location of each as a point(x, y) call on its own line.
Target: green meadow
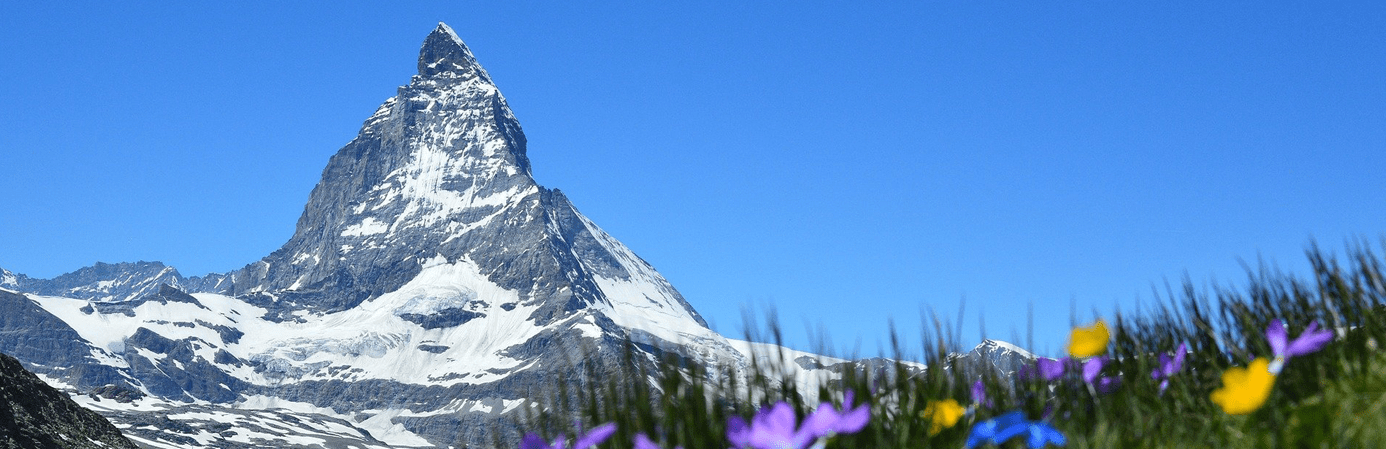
point(1331, 396)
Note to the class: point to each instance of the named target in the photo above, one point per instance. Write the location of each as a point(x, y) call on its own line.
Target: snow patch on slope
point(369, 226)
point(367, 342)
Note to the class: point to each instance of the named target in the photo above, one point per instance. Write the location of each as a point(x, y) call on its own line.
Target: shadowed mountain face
point(33, 415)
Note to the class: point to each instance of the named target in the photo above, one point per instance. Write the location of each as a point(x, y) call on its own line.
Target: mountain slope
point(35, 416)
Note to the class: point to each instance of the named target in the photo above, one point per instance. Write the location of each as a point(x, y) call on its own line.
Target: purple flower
point(979, 395)
point(643, 442)
point(1051, 369)
point(1092, 368)
point(591, 438)
point(1000, 429)
point(774, 428)
point(738, 432)
point(1311, 340)
point(828, 420)
point(1169, 366)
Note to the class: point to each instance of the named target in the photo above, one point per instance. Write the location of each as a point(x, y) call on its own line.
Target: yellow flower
point(1244, 389)
point(1089, 341)
point(942, 414)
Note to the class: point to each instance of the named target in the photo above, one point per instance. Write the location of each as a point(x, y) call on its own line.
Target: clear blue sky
point(846, 162)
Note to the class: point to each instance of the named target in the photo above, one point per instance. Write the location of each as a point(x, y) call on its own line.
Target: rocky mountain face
point(126, 281)
point(33, 415)
point(431, 292)
point(999, 356)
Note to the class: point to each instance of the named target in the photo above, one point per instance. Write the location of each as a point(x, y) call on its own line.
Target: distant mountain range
point(431, 289)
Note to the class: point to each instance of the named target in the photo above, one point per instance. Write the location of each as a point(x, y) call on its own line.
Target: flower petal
point(988, 430)
point(1311, 340)
point(533, 441)
point(775, 427)
point(1042, 434)
point(1049, 368)
point(1276, 335)
point(1092, 368)
point(854, 420)
point(822, 421)
point(1244, 389)
point(1089, 341)
point(643, 442)
point(595, 436)
point(738, 433)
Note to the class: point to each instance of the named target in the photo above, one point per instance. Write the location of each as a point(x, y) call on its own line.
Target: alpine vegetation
point(1279, 362)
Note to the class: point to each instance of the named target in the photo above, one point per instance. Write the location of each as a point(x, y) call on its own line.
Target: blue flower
point(1000, 429)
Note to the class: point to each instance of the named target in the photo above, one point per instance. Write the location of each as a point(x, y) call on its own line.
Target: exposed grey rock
point(49, 345)
point(1003, 358)
point(33, 415)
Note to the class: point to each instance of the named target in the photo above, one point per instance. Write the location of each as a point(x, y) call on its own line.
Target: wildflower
point(1089, 341)
point(979, 395)
point(738, 432)
point(592, 438)
point(774, 428)
point(1244, 389)
point(986, 431)
point(942, 414)
point(1169, 366)
point(827, 420)
point(643, 442)
point(1092, 368)
point(1000, 429)
point(1051, 369)
point(1037, 434)
point(1311, 340)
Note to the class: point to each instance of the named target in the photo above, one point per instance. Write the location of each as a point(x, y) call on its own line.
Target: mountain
point(1002, 357)
point(33, 415)
point(432, 292)
point(431, 286)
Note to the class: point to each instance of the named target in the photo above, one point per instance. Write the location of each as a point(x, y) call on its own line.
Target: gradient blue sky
point(848, 163)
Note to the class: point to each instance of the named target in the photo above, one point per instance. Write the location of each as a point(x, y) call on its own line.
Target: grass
point(1333, 398)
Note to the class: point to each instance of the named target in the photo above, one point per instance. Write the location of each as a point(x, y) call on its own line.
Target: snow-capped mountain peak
point(428, 274)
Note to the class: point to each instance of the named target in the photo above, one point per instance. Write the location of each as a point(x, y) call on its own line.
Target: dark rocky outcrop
point(34, 415)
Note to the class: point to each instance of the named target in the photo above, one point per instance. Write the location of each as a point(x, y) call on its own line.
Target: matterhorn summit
point(435, 194)
point(431, 288)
